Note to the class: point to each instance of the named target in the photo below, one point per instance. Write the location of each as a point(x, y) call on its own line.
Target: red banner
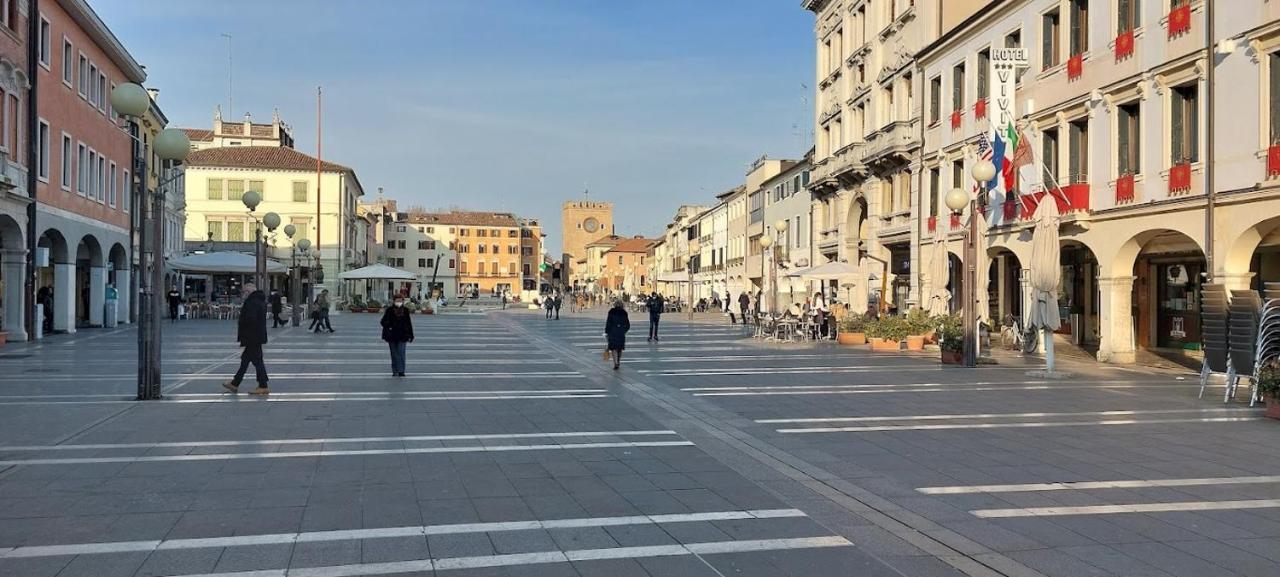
point(1075, 66)
point(1124, 45)
point(955, 120)
point(1010, 209)
point(955, 221)
point(1124, 189)
point(1273, 161)
point(1180, 178)
point(1180, 20)
point(933, 223)
point(980, 108)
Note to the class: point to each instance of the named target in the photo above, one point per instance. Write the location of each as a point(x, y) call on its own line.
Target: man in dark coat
point(175, 298)
point(655, 304)
point(616, 326)
point(744, 305)
point(556, 300)
point(252, 334)
point(276, 307)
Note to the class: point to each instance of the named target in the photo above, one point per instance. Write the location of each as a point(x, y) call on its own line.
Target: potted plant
point(357, 304)
point(372, 306)
point(853, 330)
point(411, 306)
point(922, 325)
point(951, 339)
point(1268, 378)
point(886, 333)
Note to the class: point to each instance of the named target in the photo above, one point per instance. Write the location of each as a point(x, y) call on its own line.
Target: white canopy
point(376, 272)
point(675, 276)
point(830, 271)
point(216, 262)
point(939, 275)
point(1046, 275)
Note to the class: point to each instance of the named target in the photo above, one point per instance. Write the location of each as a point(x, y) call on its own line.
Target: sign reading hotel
point(1005, 63)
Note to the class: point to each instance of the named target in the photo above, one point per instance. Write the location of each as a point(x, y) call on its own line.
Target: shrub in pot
point(1268, 378)
point(923, 324)
point(886, 333)
point(853, 330)
point(951, 339)
point(372, 306)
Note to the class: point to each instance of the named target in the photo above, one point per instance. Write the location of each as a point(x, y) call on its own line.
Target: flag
point(1009, 170)
point(997, 159)
point(984, 146)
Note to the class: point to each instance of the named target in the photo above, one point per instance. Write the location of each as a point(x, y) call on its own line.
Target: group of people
point(551, 303)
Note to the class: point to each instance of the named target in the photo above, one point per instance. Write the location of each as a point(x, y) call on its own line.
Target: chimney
point(155, 94)
point(247, 122)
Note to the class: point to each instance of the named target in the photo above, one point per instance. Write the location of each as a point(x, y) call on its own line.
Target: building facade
point(487, 246)
point(787, 200)
point(15, 191)
point(581, 223)
point(85, 210)
point(423, 246)
point(625, 267)
point(532, 279)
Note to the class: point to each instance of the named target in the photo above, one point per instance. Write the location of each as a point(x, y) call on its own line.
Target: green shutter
point(1047, 56)
point(1274, 61)
point(1176, 124)
point(1122, 141)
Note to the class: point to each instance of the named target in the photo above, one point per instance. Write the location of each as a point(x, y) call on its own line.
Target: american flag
point(984, 147)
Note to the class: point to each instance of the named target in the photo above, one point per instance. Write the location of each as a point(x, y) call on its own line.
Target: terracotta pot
point(852, 338)
point(915, 343)
point(372, 310)
point(4, 338)
point(952, 357)
point(884, 345)
point(1273, 407)
point(930, 338)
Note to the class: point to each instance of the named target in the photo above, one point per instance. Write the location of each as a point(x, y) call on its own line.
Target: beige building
point(625, 266)
point(488, 247)
point(422, 245)
point(591, 267)
point(581, 223)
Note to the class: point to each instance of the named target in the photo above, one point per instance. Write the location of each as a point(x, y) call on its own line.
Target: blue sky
point(500, 104)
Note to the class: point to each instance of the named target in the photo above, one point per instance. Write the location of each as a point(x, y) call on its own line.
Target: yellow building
point(488, 247)
point(625, 266)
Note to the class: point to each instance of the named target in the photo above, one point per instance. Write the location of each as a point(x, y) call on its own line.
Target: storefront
point(1078, 295)
point(1167, 299)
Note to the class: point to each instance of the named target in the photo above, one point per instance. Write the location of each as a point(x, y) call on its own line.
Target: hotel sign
point(1005, 63)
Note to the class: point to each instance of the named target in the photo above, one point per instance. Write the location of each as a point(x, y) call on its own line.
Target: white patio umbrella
point(222, 262)
point(376, 272)
point(1046, 275)
point(939, 274)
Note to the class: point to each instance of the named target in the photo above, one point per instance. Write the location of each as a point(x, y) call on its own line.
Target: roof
point(269, 157)
point(198, 134)
point(732, 191)
point(632, 245)
point(467, 218)
point(88, 20)
point(609, 240)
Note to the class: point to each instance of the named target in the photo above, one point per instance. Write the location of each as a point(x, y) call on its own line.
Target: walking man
point(555, 303)
point(322, 310)
point(744, 305)
point(276, 307)
point(175, 298)
point(655, 304)
point(549, 303)
point(252, 334)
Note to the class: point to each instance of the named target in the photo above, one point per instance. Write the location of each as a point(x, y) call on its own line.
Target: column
point(1002, 286)
point(15, 276)
point(1115, 316)
point(64, 297)
point(124, 294)
point(97, 294)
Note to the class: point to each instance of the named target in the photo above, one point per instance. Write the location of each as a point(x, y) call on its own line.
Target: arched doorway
point(54, 276)
point(90, 282)
point(1257, 251)
point(13, 278)
point(118, 277)
point(955, 282)
point(1079, 299)
point(1167, 267)
point(1004, 285)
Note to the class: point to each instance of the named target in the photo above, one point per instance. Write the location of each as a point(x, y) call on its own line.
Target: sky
point(510, 105)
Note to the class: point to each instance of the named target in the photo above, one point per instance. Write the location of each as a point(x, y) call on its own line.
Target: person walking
point(175, 298)
point(504, 300)
point(276, 307)
point(555, 303)
point(322, 312)
point(549, 303)
point(397, 330)
point(655, 304)
point(616, 325)
point(251, 332)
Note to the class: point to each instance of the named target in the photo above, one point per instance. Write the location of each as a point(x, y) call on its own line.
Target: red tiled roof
point(269, 157)
point(610, 240)
point(467, 218)
point(632, 245)
point(198, 133)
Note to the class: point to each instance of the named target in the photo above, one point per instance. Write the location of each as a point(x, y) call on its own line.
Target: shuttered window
point(984, 66)
point(935, 99)
point(215, 189)
point(300, 192)
point(1129, 139)
point(235, 189)
point(957, 87)
point(1273, 104)
point(1079, 26)
point(1078, 156)
point(215, 230)
point(1049, 152)
point(934, 175)
point(1185, 129)
point(1049, 39)
point(235, 231)
point(1127, 16)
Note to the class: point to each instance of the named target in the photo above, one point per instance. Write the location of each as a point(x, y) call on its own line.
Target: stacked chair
point(1214, 314)
point(1267, 346)
point(1242, 339)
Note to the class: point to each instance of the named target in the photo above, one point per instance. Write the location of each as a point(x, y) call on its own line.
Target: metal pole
point(148, 319)
point(157, 281)
point(257, 255)
point(971, 287)
point(295, 297)
point(1210, 196)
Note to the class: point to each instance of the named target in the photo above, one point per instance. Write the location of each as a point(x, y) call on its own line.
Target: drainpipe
point(1209, 212)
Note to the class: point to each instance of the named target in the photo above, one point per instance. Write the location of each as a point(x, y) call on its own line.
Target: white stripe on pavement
point(389, 532)
point(316, 376)
point(519, 559)
point(890, 385)
point(277, 398)
point(935, 389)
point(1134, 508)
point(334, 440)
point(298, 454)
point(1086, 485)
point(878, 428)
point(993, 416)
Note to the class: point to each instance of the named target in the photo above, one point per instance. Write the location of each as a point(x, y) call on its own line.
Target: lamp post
point(132, 101)
point(765, 243)
point(695, 247)
point(251, 200)
point(780, 251)
point(295, 277)
point(956, 200)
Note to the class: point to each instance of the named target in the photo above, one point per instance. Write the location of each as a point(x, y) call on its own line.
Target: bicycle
point(1014, 337)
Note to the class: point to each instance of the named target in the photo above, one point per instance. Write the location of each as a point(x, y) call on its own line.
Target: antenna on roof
point(231, 109)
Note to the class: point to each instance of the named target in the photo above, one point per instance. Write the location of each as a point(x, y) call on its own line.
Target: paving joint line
point(922, 533)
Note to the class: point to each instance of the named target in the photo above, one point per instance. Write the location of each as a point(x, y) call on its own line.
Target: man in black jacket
point(655, 303)
point(276, 307)
point(252, 334)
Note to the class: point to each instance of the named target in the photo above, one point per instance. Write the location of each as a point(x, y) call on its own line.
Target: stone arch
point(118, 257)
point(59, 252)
point(1120, 261)
point(1239, 250)
point(11, 233)
point(855, 226)
point(91, 250)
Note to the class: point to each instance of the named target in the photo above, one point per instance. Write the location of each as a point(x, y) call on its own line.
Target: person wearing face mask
point(397, 330)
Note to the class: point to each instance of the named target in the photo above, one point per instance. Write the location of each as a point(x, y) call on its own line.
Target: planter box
point(852, 338)
point(930, 338)
point(952, 357)
point(372, 310)
point(1273, 407)
point(4, 338)
point(915, 343)
point(885, 345)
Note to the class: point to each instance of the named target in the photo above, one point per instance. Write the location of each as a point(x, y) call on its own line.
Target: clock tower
point(582, 222)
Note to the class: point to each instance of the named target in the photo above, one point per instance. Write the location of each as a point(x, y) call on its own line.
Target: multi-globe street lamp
point(299, 247)
point(132, 102)
point(779, 249)
point(271, 220)
point(766, 243)
point(695, 247)
point(956, 200)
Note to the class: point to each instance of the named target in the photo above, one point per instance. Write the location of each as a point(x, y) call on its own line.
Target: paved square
point(511, 448)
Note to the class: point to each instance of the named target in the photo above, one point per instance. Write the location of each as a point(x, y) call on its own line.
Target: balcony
point(893, 143)
point(858, 56)
point(829, 239)
point(843, 168)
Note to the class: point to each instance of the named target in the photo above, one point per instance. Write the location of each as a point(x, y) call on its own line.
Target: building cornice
point(87, 19)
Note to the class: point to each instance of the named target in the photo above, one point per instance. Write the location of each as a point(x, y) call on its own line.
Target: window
point(1078, 151)
point(299, 191)
point(935, 99)
point(422, 245)
point(215, 188)
point(235, 189)
point(957, 173)
point(83, 86)
point(431, 263)
point(482, 232)
point(42, 137)
point(1014, 40)
point(984, 67)
point(1128, 139)
point(66, 161)
point(957, 87)
point(511, 268)
point(400, 244)
point(431, 230)
point(94, 95)
point(103, 95)
point(1128, 16)
point(1185, 130)
point(1049, 152)
point(235, 231)
point(462, 267)
point(258, 186)
point(1049, 49)
point(68, 62)
point(482, 248)
point(125, 184)
point(1079, 26)
point(46, 42)
point(215, 230)
point(391, 244)
point(111, 185)
point(452, 263)
point(934, 176)
point(495, 249)
point(619, 259)
point(527, 270)
point(512, 233)
point(422, 263)
point(101, 179)
point(301, 224)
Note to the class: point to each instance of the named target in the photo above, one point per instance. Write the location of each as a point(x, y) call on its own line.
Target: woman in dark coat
point(397, 329)
point(616, 326)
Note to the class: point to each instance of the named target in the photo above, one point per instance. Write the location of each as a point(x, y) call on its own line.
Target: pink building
point(14, 192)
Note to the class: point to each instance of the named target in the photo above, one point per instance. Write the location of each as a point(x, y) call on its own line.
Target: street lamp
point(766, 242)
point(295, 278)
point(956, 200)
point(132, 102)
point(695, 247)
point(251, 200)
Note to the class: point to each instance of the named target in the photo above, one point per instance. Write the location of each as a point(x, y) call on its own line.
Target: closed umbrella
point(1046, 275)
point(939, 296)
